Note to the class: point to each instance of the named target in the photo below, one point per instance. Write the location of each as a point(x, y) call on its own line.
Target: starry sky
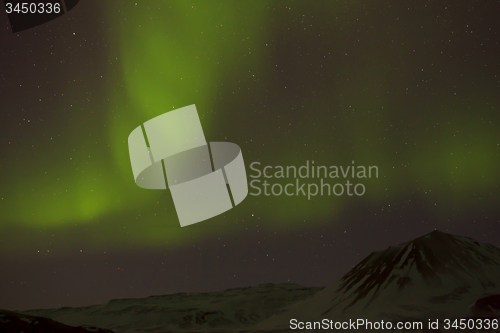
point(412, 87)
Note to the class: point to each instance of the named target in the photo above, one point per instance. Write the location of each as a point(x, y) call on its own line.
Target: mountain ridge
point(436, 275)
point(423, 252)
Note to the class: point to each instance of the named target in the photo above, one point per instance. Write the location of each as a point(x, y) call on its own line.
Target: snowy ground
point(436, 276)
point(225, 311)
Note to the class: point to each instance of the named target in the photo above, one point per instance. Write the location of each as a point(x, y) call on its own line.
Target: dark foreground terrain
point(437, 276)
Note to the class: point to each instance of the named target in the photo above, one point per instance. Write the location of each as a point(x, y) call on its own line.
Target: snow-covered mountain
point(435, 276)
point(225, 311)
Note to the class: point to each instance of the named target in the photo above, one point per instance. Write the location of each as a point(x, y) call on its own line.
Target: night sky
point(412, 87)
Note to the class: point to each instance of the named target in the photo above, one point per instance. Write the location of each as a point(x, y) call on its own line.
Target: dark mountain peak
point(443, 248)
point(437, 233)
point(429, 260)
point(437, 275)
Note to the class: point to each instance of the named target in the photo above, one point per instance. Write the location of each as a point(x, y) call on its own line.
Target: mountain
point(436, 276)
point(12, 322)
point(224, 311)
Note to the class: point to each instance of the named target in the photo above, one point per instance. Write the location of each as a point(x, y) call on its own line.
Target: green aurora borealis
point(395, 99)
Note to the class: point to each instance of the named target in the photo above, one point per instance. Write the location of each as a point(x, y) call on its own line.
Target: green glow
point(172, 54)
point(458, 158)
